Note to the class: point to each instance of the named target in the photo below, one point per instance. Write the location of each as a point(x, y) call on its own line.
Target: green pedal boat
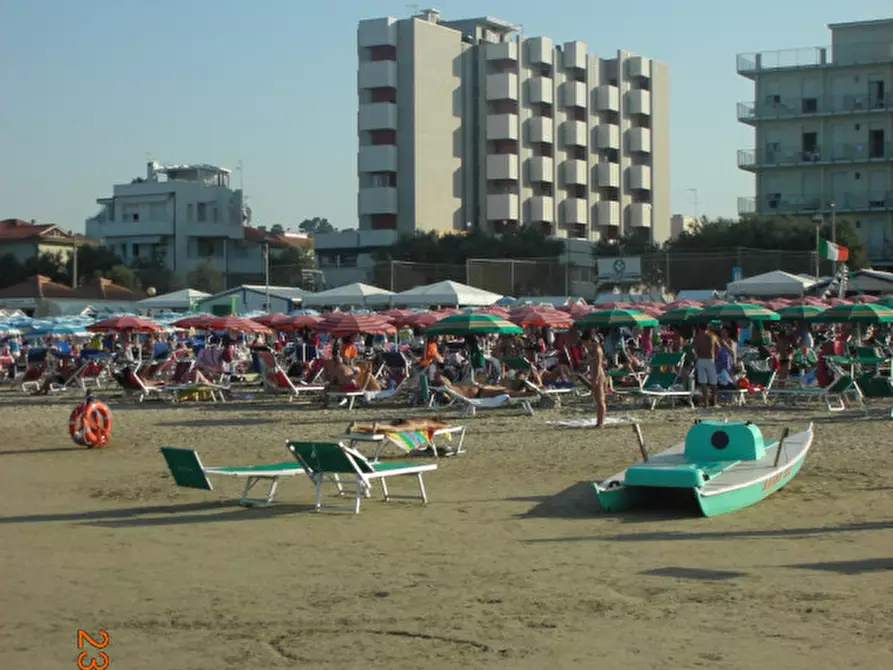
point(724, 465)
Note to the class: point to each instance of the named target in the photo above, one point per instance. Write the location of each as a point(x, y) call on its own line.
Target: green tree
point(205, 277)
point(11, 271)
point(154, 273)
point(457, 248)
point(47, 264)
point(123, 275)
point(316, 226)
point(286, 267)
point(278, 229)
point(93, 261)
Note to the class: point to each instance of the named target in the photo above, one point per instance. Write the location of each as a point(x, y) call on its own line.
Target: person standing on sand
point(598, 381)
point(705, 347)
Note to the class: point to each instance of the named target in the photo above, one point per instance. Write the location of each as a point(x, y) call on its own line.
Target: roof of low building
point(38, 286)
point(18, 229)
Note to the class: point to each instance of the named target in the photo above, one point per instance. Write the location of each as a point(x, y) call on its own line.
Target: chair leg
point(384, 489)
point(422, 488)
point(317, 480)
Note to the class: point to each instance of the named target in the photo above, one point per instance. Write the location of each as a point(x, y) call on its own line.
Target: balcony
point(607, 213)
point(377, 32)
point(502, 127)
point(502, 86)
point(607, 98)
point(754, 159)
point(574, 55)
point(541, 169)
point(502, 167)
point(539, 130)
point(574, 210)
point(574, 94)
point(503, 51)
point(539, 50)
point(607, 137)
point(751, 64)
point(377, 116)
point(377, 74)
point(541, 208)
point(377, 200)
point(607, 175)
point(381, 158)
point(575, 133)
point(776, 107)
point(109, 229)
point(639, 140)
point(540, 90)
point(574, 172)
point(638, 101)
point(502, 207)
point(638, 177)
point(638, 67)
point(640, 215)
point(813, 203)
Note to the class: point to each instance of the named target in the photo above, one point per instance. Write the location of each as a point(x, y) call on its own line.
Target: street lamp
point(818, 220)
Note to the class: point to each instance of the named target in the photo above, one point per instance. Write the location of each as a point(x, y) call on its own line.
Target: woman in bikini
point(598, 380)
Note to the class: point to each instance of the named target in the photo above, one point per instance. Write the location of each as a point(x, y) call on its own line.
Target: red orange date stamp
point(90, 658)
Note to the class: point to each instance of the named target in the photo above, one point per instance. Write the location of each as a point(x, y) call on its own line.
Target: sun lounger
point(323, 459)
point(836, 395)
point(472, 405)
point(663, 380)
point(188, 471)
point(275, 379)
point(411, 441)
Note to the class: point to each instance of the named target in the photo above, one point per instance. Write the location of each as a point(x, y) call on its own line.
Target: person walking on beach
point(598, 381)
point(705, 347)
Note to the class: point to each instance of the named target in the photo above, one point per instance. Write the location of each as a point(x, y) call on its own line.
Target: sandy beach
point(511, 565)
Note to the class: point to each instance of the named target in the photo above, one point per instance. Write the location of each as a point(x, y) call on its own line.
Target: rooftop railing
point(844, 54)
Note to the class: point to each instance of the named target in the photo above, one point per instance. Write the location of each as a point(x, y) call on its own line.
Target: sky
point(91, 89)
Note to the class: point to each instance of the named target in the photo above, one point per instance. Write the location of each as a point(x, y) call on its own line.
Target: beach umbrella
point(885, 301)
point(857, 313)
point(340, 324)
point(38, 329)
point(735, 311)
point(540, 317)
point(799, 312)
point(399, 317)
point(296, 322)
point(615, 318)
point(496, 310)
point(269, 319)
point(576, 310)
point(194, 321)
point(473, 324)
point(424, 319)
point(118, 324)
point(678, 315)
point(237, 323)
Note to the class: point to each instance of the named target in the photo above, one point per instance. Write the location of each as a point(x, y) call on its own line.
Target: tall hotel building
point(469, 122)
point(823, 132)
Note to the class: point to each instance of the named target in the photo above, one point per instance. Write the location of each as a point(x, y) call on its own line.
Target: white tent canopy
point(446, 293)
point(771, 284)
point(177, 300)
point(353, 295)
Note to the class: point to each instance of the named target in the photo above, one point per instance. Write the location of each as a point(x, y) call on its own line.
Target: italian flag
point(833, 252)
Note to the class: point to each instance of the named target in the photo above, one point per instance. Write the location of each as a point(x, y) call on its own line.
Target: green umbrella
point(473, 324)
point(799, 312)
point(858, 313)
point(679, 315)
point(735, 311)
point(886, 301)
point(606, 318)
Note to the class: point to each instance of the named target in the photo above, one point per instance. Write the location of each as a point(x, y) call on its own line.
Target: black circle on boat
point(719, 439)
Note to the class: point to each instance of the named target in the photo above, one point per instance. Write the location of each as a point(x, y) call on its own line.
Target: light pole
point(818, 219)
point(694, 193)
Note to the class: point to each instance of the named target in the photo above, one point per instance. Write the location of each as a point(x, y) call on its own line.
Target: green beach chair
point(664, 380)
point(323, 459)
point(187, 470)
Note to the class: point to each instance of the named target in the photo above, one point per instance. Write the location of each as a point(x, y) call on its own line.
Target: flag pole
point(267, 276)
point(818, 251)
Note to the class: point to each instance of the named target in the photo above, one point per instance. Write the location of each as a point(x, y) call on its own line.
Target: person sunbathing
point(558, 375)
point(472, 391)
point(342, 377)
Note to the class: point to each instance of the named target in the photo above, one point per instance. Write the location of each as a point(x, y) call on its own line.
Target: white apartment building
point(470, 122)
point(185, 214)
point(823, 122)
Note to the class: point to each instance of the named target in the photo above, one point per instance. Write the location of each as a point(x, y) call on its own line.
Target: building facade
point(25, 240)
point(186, 215)
point(823, 126)
point(471, 123)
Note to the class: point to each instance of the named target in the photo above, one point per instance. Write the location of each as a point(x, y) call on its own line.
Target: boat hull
point(740, 487)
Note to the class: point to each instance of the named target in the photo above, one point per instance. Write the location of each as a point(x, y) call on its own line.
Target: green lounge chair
point(836, 395)
point(187, 470)
point(663, 380)
point(325, 459)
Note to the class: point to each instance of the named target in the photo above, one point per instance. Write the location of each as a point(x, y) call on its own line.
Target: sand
point(510, 565)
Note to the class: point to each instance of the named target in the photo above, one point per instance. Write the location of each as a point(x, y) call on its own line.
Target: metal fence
point(675, 271)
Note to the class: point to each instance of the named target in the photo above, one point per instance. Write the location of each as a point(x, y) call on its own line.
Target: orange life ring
point(90, 424)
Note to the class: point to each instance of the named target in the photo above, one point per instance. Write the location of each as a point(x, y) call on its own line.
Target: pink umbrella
point(866, 298)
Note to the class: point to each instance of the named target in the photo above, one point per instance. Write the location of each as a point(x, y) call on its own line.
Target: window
point(876, 144)
point(136, 251)
point(810, 105)
point(190, 213)
point(202, 211)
